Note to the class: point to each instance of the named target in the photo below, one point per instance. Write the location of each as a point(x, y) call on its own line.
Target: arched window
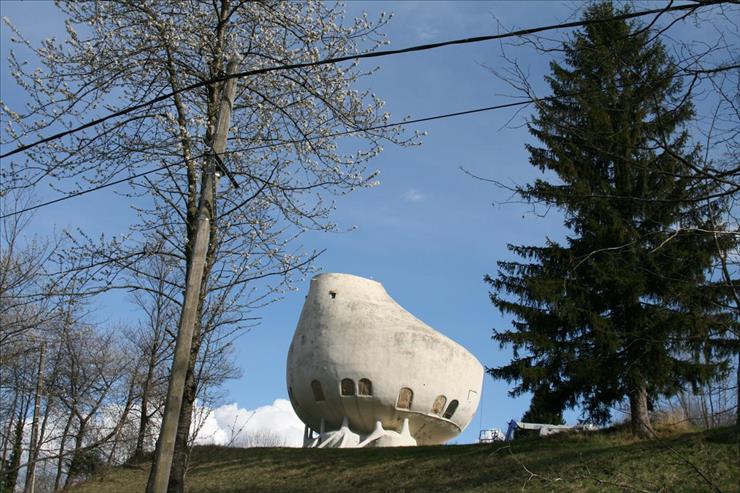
point(318, 392)
point(348, 386)
point(451, 409)
point(439, 404)
point(365, 387)
point(405, 398)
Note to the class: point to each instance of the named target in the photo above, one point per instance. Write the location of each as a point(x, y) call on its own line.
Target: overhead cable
point(375, 54)
point(338, 134)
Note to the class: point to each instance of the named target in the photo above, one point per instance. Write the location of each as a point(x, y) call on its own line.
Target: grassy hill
point(600, 461)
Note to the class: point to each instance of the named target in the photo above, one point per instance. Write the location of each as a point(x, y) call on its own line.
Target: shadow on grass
point(600, 461)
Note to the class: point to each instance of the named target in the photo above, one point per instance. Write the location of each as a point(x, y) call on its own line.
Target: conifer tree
point(544, 408)
point(621, 308)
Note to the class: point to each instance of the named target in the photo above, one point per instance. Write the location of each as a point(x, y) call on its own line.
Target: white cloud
point(272, 425)
point(425, 31)
point(413, 195)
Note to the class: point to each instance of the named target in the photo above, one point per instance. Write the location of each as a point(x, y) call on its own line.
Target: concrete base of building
point(344, 437)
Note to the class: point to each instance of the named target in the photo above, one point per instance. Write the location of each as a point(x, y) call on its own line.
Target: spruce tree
point(544, 408)
point(622, 307)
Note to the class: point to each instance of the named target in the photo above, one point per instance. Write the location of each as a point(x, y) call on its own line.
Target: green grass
point(600, 461)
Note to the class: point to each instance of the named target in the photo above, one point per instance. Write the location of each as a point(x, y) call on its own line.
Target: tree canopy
point(623, 306)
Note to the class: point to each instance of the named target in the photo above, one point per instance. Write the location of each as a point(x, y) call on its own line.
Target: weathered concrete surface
point(350, 328)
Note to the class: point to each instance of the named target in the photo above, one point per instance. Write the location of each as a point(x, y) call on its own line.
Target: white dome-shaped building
point(362, 371)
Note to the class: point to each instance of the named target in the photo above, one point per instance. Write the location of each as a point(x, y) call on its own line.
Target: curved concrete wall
point(350, 328)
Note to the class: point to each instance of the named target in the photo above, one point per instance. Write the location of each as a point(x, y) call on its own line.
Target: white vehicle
point(490, 436)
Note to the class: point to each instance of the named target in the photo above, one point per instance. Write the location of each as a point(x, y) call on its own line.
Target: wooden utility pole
point(160, 473)
point(33, 446)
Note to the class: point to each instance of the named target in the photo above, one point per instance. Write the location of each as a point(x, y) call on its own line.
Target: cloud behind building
point(274, 425)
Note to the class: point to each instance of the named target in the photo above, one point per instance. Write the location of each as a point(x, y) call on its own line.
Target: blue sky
point(429, 232)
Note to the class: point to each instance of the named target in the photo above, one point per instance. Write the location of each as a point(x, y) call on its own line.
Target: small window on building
point(318, 392)
point(333, 294)
point(451, 409)
point(439, 404)
point(348, 386)
point(405, 398)
point(365, 387)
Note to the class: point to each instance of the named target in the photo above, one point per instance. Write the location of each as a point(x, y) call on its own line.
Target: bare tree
point(283, 150)
point(26, 308)
point(25, 290)
point(16, 399)
point(93, 375)
point(264, 438)
point(35, 441)
point(152, 339)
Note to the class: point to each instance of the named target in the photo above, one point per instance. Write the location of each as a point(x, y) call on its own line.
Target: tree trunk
point(150, 480)
point(639, 417)
point(143, 424)
point(704, 410)
point(15, 456)
point(161, 472)
point(113, 449)
point(161, 468)
point(34, 443)
point(42, 433)
point(60, 462)
point(115, 435)
point(144, 418)
point(7, 432)
point(182, 450)
point(737, 392)
point(76, 464)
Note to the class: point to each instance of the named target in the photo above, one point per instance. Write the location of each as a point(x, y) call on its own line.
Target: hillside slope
point(603, 461)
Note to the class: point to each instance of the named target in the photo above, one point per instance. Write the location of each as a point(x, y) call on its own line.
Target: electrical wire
point(338, 134)
point(265, 146)
point(376, 54)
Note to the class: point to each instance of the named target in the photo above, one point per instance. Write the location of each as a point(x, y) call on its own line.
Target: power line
point(376, 54)
point(88, 190)
point(265, 146)
point(340, 134)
